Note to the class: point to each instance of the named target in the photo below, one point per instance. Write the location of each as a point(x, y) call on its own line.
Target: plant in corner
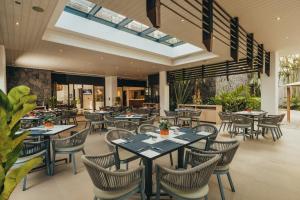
point(13, 107)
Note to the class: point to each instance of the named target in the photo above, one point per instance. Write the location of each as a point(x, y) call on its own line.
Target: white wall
point(2, 69)
point(269, 86)
point(163, 92)
point(111, 85)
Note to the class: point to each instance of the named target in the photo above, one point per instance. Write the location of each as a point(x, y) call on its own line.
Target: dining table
point(131, 117)
point(46, 134)
point(152, 145)
point(252, 114)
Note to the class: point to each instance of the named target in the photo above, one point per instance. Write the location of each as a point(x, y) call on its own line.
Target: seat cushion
point(197, 194)
point(125, 155)
point(101, 194)
point(69, 149)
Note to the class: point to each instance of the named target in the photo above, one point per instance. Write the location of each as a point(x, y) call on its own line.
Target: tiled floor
point(261, 170)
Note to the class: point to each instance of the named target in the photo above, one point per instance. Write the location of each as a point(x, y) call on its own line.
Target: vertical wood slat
point(207, 23)
point(234, 38)
point(267, 64)
point(250, 40)
point(153, 12)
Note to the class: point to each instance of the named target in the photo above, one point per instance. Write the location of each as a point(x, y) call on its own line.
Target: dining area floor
point(262, 169)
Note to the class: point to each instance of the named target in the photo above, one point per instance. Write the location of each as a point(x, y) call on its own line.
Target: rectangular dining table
point(47, 133)
point(149, 148)
point(131, 117)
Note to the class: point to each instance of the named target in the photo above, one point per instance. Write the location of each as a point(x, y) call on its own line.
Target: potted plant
point(48, 122)
point(13, 107)
point(164, 126)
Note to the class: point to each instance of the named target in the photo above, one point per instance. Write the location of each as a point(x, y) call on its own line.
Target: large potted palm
point(13, 106)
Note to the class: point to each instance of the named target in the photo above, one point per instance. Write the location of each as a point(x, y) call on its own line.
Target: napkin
point(204, 133)
point(119, 141)
point(149, 153)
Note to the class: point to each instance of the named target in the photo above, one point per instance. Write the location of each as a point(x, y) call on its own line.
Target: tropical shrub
point(13, 107)
point(236, 100)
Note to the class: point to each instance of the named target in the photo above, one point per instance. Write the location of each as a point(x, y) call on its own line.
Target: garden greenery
point(237, 100)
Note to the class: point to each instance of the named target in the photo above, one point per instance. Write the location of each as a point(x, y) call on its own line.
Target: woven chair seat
point(185, 118)
point(197, 194)
point(222, 168)
point(267, 125)
point(27, 158)
point(116, 194)
point(242, 125)
point(198, 145)
point(168, 117)
point(69, 149)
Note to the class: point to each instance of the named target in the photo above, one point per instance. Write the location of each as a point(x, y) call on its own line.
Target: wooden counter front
point(209, 112)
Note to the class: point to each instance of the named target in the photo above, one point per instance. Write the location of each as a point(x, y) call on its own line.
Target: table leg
point(148, 177)
point(180, 157)
point(47, 138)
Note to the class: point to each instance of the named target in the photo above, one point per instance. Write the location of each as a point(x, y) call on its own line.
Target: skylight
point(81, 5)
point(110, 16)
point(137, 26)
point(91, 11)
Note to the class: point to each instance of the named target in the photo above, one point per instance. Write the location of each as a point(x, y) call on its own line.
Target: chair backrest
point(271, 120)
point(196, 113)
point(116, 134)
point(94, 117)
point(109, 118)
point(30, 148)
point(149, 120)
point(127, 125)
point(144, 128)
point(193, 178)
point(226, 149)
point(207, 128)
point(79, 138)
point(170, 113)
point(225, 116)
point(280, 117)
point(240, 119)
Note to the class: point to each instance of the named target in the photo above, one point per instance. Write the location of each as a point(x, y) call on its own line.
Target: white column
point(111, 87)
point(2, 69)
point(163, 92)
point(269, 86)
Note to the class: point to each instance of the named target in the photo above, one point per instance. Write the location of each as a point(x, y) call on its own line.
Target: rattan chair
point(196, 116)
point(109, 122)
point(150, 120)
point(122, 156)
point(171, 116)
point(225, 120)
point(243, 123)
point(69, 145)
point(32, 150)
point(281, 118)
point(93, 120)
point(144, 128)
point(269, 123)
point(188, 183)
point(113, 184)
point(127, 125)
point(202, 144)
point(227, 150)
point(185, 118)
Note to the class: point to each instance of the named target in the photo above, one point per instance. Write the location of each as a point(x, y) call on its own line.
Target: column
point(163, 92)
point(2, 69)
point(269, 86)
point(111, 87)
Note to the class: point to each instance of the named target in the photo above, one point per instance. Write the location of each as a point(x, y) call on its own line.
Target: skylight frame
point(79, 5)
point(116, 18)
point(121, 25)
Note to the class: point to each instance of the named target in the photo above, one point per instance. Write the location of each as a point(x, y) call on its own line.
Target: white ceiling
point(25, 47)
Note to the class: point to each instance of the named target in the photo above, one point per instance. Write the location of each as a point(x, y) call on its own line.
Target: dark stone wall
point(207, 89)
point(38, 80)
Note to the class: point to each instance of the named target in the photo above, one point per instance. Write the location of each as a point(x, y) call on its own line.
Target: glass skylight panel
point(110, 16)
point(173, 40)
point(136, 26)
point(81, 5)
point(157, 34)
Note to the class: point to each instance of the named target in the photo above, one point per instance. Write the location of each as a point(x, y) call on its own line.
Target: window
point(136, 26)
point(173, 40)
point(157, 34)
point(81, 5)
point(110, 16)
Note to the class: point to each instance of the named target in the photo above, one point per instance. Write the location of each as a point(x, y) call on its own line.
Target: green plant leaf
point(16, 175)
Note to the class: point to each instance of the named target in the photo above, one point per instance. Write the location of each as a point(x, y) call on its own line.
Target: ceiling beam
point(207, 24)
point(153, 12)
point(234, 38)
point(250, 40)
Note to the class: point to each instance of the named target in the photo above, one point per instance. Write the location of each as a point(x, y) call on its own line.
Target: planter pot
point(164, 132)
point(48, 125)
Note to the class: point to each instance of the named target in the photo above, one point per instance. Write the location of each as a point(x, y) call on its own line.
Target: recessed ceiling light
point(286, 37)
point(277, 18)
point(37, 9)
point(182, 20)
point(17, 23)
